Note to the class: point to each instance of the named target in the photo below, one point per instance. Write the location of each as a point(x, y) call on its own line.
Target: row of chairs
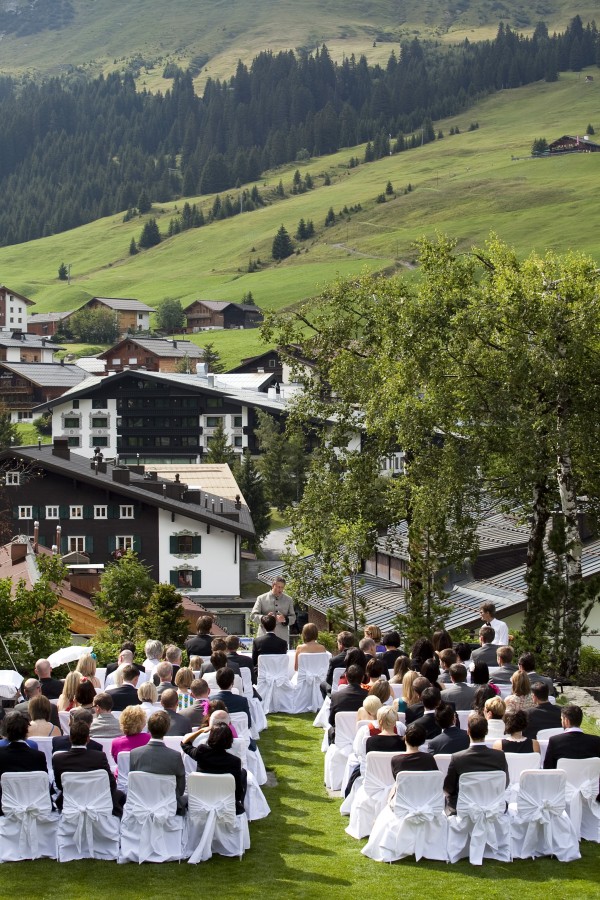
point(150, 830)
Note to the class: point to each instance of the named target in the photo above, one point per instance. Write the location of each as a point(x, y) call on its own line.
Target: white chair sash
point(222, 811)
point(87, 802)
point(25, 803)
point(481, 801)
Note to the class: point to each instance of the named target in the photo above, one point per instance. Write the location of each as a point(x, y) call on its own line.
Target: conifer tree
point(282, 245)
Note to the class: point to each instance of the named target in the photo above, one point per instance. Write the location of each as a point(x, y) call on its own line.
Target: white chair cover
point(358, 757)
point(396, 690)
point(312, 669)
point(255, 760)
point(544, 734)
point(495, 730)
point(416, 825)
point(259, 720)
point(539, 824)
point(442, 761)
point(338, 752)
point(28, 827)
point(255, 802)
point(45, 745)
point(463, 717)
point(106, 744)
point(517, 763)
point(212, 822)
point(480, 827)
point(65, 722)
point(87, 828)
point(582, 790)
point(371, 797)
point(101, 676)
point(123, 767)
point(273, 683)
point(151, 830)
point(321, 720)
point(335, 680)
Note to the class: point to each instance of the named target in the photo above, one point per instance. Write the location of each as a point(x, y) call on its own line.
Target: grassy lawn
point(278, 519)
point(301, 851)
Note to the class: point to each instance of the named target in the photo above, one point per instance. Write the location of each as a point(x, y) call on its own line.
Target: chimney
point(121, 476)
point(201, 370)
point(62, 362)
point(238, 501)
point(272, 393)
point(36, 536)
point(211, 380)
point(175, 345)
point(60, 447)
point(18, 552)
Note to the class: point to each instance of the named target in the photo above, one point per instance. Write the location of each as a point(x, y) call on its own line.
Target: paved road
point(274, 543)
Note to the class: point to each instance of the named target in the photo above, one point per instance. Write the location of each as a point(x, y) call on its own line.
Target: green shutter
point(42, 540)
point(64, 544)
point(63, 512)
point(89, 544)
point(196, 579)
point(88, 512)
point(36, 511)
point(137, 543)
point(174, 578)
point(173, 544)
point(112, 511)
point(197, 544)
point(112, 543)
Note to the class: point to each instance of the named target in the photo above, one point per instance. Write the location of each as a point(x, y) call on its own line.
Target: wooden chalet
point(216, 314)
point(573, 144)
point(152, 354)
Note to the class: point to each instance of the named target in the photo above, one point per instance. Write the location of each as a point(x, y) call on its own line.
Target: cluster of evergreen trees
point(75, 150)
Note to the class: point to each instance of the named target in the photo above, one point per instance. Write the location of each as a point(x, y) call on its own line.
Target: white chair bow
point(273, 683)
point(582, 790)
point(212, 821)
point(312, 670)
point(539, 823)
point(480, 827)
point(151, 830)
point(28, 825)
point(87, 827)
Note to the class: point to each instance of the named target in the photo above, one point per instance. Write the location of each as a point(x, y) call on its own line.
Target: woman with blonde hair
point(87, 668)
point(368, 711)
point(66, 701)
point(493, 710)
point(309, 644)
point(388, 740)
point(148, 696)
point(132, 723)
point(521, 696)
point(183, 683)
point(409, 695)
point(374, 632)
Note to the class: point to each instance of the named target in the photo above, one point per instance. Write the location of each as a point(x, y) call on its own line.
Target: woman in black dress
point(212, 757)
point(513, 740)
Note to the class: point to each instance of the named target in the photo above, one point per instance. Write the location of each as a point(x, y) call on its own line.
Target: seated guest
point(86, 666)
point(480, 675)
point(441, 640)
point(126, 694)
point(218, 660)
point(514, 741)
point(85, 693)
point(268, 643)
point(164, 673)
point(30, 689)
point(310, 642)
point(381, 689)
point(17, 755)
point(154, 652)
point(375, 671)
point(104, 725)
point(234, 658)
point(374, 633)
point(368, 646)
point(173, 656)
point(401, 667)
point(431, 699)
point(39, 712)
point(494, 710)
point(486, 652)
point(477, 758)
point(414, 760)
point(483, 693)
point(452, 737)
point(132, 723)
point(82, 759)
point(527, 665)
point(199, 645)
point(195, 713)
point(217, 712)
point(179, 724)
point(460, 694)
point(234, 703)
point(505, 669)
point(345, 640)
point(196, 663)
point(521, 697)
point(183, 683)
point(354, 657)
point(388, 740)
point(126, 655)
point(447, 658)
point(463, 652)
point(409, 695)
point(77, 714)
point(415, 710)
point(368, 711)
point(573, 743)
point(431, 670)
point(422, 649)
point(148, 697)
point(488, 615)
point(542, 714)
point(66, 701)
point(51, 687)
point(212, 757)
point(156, 758)
point(391, 642)
point(349, 699)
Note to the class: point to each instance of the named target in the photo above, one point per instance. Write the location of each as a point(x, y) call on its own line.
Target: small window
point(25, 512)
point(100, 512)
point(116, 361)
point(213, 421)
point(99, 422)
point(133, 360)
point(76, 544)
point(185, 578)
point(126, 512)
point(141, 316)
point(72, 421)
point(272, 363)
point(213, 402)
point(237, 421)
point(184, 543)
point(96, 441)
point(98, 403)
point(237, 441)
point(124, 542)
point(73, 442)
point(75, 404)
point(52, 512)
point(13, 478)
point(76, 512)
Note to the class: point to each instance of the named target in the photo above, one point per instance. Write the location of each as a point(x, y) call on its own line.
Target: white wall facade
point(87, 426)
point(16, 314)
point(233, 425)
point(218, 560)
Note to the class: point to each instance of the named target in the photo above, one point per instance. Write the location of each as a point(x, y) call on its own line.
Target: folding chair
point(338, 752)
point(28, 826)
point(87, 828)
point(151, 830)
point(415, 825)
point(213, 825)
point(481, 827)
point(312, 670)
point(539, 824)
point(582, 790)
point(273, 683)
point(371, 797)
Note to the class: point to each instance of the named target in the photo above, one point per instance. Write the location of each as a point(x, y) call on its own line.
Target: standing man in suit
point(487, 651)
point(460, 694)
point(544, 714)
point(81, 759)
point(157, 759)
point(127, 694)
point(268, 642)
point(477, 758)
point(488, 616)
point(279, 604)
point(452, 738)
point(506, 669)
point(17, 756)
point(51, 687)
point(349, 699)
point(573, 743)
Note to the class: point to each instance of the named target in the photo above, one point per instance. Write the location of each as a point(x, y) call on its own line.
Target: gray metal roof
point(123, 303)
point(47, 374)
point(493, 532)
point(32, 341)
point(37, 318)
point(161, 347)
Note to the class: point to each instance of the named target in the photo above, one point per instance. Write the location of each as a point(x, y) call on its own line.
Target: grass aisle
point(301, 851)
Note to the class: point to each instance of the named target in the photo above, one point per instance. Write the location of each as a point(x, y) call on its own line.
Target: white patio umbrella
point(68, 654)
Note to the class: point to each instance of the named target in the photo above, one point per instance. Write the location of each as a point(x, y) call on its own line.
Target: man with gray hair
point(164, 673)
point(32, 688)
point(277, 603)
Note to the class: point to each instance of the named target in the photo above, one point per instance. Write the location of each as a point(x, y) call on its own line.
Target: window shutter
point(89, 544)
point(112, 511)
point(197, 544)
point(196, 579)
point(137, 543)
point(38, 511)
point(15, 512)
point(64, 544)
point(88, 512)
point(63, 512)
point(112, 543)
point(173, 544)
point(174, 578)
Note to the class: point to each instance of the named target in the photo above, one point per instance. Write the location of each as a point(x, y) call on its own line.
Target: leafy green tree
point(282, 245)
point(170, 316)
point(219, 448)
point(212, 358)
point(283, 461)
point(63, 272)
point(43, 424)
point(99, 326)
point(9, 431)
point(163, 617)
point(150, 235)
point(252, 487)
point(125, 590)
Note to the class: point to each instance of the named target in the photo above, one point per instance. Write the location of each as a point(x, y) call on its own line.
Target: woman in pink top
point(132, 721)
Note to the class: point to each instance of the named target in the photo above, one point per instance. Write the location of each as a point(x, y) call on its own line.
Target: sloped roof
point(122, 303)
point(8, 290)
point(160, 346)
point(220, 305)
point(40, 318)
point(47, 374)
point(493, 532)
point(32, 341)
point(214, 478)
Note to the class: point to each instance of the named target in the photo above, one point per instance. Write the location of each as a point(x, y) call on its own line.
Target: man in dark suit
point(506, 668)
point(126, 695)
point(30, 689)
point(544, 714)
point(391, 642)
point(348, 699)
point(487, 651)
point(80, 759)
point(218, 660)
point(126, 656)
point(51, 687)
point(18, 756)
point(179, 725)
point(268, 643)
point(234, 702)
point(416, 710)
point(232, 645)
point(164, 674)
point(157, 759)
point(64, 741)
point(196, 713)
point(199, 645)
point(573, 743)
point(477, 758)
point(452, 738)
point(460, 694)
point(527, 664)
point(345, 640)
point(430, 699)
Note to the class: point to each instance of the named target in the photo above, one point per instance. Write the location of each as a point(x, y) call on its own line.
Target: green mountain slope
point(465, 185)
point(105, 35)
